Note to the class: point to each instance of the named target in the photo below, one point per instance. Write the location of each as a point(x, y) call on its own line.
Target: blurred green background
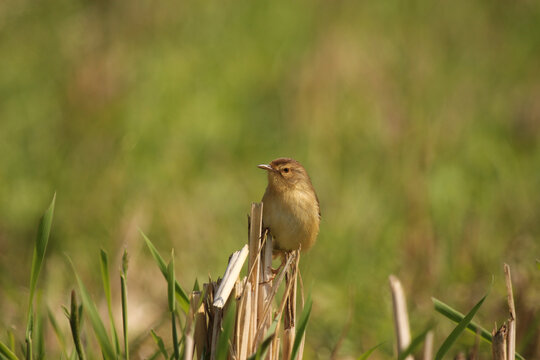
point(419, 123)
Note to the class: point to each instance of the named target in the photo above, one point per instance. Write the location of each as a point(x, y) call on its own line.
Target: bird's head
point(285, 173)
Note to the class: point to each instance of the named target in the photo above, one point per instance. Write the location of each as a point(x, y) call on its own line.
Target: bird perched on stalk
point(290, 206)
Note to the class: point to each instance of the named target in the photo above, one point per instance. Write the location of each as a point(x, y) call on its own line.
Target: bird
point(291, 211)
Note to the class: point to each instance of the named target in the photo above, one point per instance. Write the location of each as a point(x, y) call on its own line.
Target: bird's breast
point(292, 217)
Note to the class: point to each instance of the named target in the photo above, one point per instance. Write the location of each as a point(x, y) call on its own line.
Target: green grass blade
point(44, 230)
point(456, 317)
point(11, 338)
point(222, 350)
point(261, 351)
point(106, 280)
point(367, 354)
point(170, 285)
point(462, 325)
point(95, 320)
point(302, 324)
point(172, 305)
point(183, 299)
point(196, 286)
point(5, 351)
point(29, 331)
point(40, 338)
point(263, 348)
point(414, 343)
point(40, 246)
point(123, 288)
point(74, 323)
point(154, 355)
point(160, 344)
point(29, 353)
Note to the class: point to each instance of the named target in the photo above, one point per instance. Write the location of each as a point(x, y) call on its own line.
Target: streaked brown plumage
point(290, 205)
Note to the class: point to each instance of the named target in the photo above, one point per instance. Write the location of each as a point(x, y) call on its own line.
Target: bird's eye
point(285, 170)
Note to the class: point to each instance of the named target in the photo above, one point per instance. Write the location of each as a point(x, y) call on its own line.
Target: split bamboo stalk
point(401, 318)
point(511, 346)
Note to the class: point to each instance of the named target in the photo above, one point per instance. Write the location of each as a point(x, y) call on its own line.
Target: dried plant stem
point(255, 231)
point(189, 342)
point(401, 318)
point(289, 318)
point(265, 288)
point(498, 346)
point(274, 290)
point(244, 321)
point(511, 346)
point(232, 272)
point(251, 330)
point(299, 279)
point(428, 346)
point(216, 328)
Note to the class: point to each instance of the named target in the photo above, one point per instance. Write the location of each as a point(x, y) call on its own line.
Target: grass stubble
point(234, 317)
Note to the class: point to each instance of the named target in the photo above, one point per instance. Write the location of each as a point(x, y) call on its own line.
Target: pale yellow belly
point(291, 229)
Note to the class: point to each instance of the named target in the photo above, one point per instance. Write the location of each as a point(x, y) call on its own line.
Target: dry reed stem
point(289, 317)
point(245, 321)
point(201, 331)
point(239, 290)
point(299, 278)
point(265, 287)
point(255, 231)
point(236, 262)
point(498, 345)
point(401, 318)
point(511, 345)
point(278, 316)
point(428, 346)
point(254, 296)
point(216, 329)
point(274, 290)
point(189, 342)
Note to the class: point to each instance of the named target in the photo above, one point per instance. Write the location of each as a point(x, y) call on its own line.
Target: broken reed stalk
point(498, 345)
point(254, 295)
point(511, 345)
point(401, 319)
point(290, 313)
point(428, 346)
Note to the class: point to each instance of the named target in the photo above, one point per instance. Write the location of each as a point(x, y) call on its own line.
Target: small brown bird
point(290, 205)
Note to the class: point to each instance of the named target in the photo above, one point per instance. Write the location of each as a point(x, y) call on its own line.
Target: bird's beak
point(265, 167)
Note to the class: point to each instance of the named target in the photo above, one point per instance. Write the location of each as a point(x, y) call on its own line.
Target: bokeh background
point(419, 123)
